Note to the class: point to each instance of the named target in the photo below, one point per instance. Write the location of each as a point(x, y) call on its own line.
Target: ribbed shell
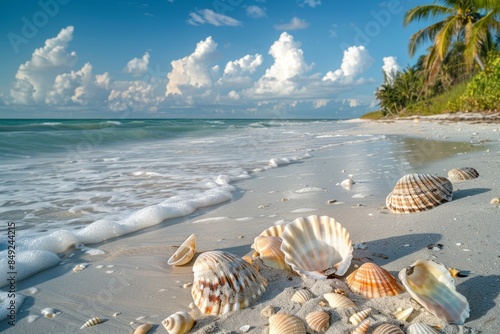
point(373, 281)
point(92, 322)
point(318, 321)
point(317, 246)
point(420, 328)
point(362, 328)
point(358, 317)
point(273, 231)
point(336, 300)
point(224, 282)
point(388, 329)
point(419, 192)
point(462, 174)
point(302, 296)
point(178, 323)
point(184, 253)
point(432, 286)
point(143, 329)
point(269, 249)
point(286, 324)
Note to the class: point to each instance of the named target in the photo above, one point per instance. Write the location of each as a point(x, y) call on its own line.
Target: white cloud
point(352, 102)
point(312, 3)
point(208, 16)
point(246, 64)
point(294, 24)
point(138, 66)
point(356, 60)
point(256, 11)
point(390, 67)
point(134, 95)
point(320, 103)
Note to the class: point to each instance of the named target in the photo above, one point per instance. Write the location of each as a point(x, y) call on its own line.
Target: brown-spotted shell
point(388, 329)
point(302, 296)
point(419, 192)
point(318, 321)
point(462, 174)
point(269, 249)
point(178, 323)
point(286, 324)
point(336, 300)
point(224, 282)
point(373, 281)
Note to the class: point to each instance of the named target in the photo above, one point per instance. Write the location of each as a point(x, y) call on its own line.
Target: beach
point(128, 282)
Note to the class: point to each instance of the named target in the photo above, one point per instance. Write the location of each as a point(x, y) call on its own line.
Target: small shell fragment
point(80, 267)
point(178, 323)
point(184, 253)
point(302, 296)
point(268, 311)
point(319, 321)
point(495, 200)
point(358, 317)
point(402, 315)
point(336, 300)
point(388, 329)
point(143, 329)
point(92, 322)
point(286, 324)
point(245, 328)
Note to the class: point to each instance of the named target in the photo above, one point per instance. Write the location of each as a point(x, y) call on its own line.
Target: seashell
point(178, 323)
point(462, 174)
point(49, 312)
point(317, 246)
point(92, 322)
point(388, 329)
point(269, 249)
point(319, 321)
point(358, 317)
point(286, 324)
point(143, 329)
point(224, 282)
point(245, 328)
point(268, 311)
point(347, 183)
point(432, 286)
point(80, 267)
point(495, 200)
point(336, 300)
point(419, 192)
point(273, 231)
point(362, 328)
point(184, 253)
point(302, 296)
point(403, 314)
point(420, 328)
point(373, 281)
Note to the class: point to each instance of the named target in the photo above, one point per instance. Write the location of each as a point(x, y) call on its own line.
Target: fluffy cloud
point(246, 64)
point(255, 12)
point(134, 95)
point(208, 16)
point(294, 24)
point(390, 67)
point(138, 66)
point(356, 60)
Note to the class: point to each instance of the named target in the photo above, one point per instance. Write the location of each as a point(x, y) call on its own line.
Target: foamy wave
point(49, 123)
point(114, 122)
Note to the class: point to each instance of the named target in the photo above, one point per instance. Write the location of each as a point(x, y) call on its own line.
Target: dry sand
point(132, 282)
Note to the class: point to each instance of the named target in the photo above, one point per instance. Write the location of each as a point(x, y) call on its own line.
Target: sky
point(198, 59)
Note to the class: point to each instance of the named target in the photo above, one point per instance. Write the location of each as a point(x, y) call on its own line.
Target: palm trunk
point(479, 62)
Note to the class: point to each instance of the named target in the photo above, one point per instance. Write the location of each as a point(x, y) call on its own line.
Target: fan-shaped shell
point(273, 231)
point(302, 296)
point(92, 322)
point(184, 253)
point(224, 282)
point(362, 328)
point(286, 324)
point(319, 321)
point(373, 281)
point(358, 317)
point(462, 174)
point(419, 192)
point(432, 286)
point(420, 328)
point(388, 329)
point(317, 246)
point(178, 323)
point(269, 249)
point(336, 300)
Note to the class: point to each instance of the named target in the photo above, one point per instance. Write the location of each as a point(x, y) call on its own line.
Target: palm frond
point(423, 36)
point(425, 12)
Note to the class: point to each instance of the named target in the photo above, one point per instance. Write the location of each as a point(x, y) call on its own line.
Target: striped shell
point(336, 300)
point(318, 321)
point(224, 282)
point(388, 329)
point(178, 323)
point(317, 246)
point(286, 324)
point(302, 296)
point(362, 328)
point(92, 322)
point(373, 281)
point(462, 174)
point(419, 192)
point(420, 328)
point(184, 253)
point(273, 231)
point(358, 317)
point(269, 249)
point(432, 286)
point(143, 329)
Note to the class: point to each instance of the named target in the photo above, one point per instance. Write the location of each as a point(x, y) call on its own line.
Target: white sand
point(136, 282)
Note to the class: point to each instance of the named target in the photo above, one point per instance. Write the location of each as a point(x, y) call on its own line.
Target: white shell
point(317, 246)
point(388, 329)
point(269, 249)
point(432, 286)
point(286, 324)
point(184, 253)
point(462, 174)
point(80, 267)
point(49, 312)
point(336, 300)
point(268, 311)
point(143, 329)
point(403, 314)
point(92, 322)
point(420, 328)
point(245, 328)
point(302, 296)
point(178, 323)
point(318, 321)
point(273, 231)
point(358, 317)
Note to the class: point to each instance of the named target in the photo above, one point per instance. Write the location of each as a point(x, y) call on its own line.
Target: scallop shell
point(224, 282)
point(419, 192)
point(420, 328)
point(273, 231)
point(269, 249)
point(286, 324)
point(462, 174)
point(319, 321)
point(184, 253)
point(336, 300)
point(302, 296)
point(317, 246)
point(432, 286)
point(373, 281)
point(362, 328)
point(143, 329)
point(178, 323)
point(92, 322)
point(388, 329)
point(358, 317)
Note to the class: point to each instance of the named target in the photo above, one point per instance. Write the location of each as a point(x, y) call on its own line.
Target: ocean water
point(67, 182)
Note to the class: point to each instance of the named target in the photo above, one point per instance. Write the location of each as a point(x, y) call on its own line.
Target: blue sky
point(181, 58)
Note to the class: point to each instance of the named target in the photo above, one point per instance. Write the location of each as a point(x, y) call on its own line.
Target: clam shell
point(388, 329)
point(362, 328)
point(302, 296)
point(92, 322)
point(419, 192)
point(336, 300)
point(432, 286)
point(286, 324)
point(317, 246)
point(420, 328)
point(224, 282)
point(462, 174)
point(358, 317)
point(319, 321)
point(143, 329)
point(178, 323)
point(184, 253)
point(373, 281)
point(269, 249)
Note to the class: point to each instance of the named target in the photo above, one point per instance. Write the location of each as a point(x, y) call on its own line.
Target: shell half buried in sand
point(432, 286)
point(388, 329)
point(419, 192)
point(462, 174)
point(178, 323)
point(421, 328)
point(373, 281)
point(318, 321)
point(336, 300)
point(223, 282)
point(317, 246)
point(184, 253)
point(269, 249)
point(286, 324)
